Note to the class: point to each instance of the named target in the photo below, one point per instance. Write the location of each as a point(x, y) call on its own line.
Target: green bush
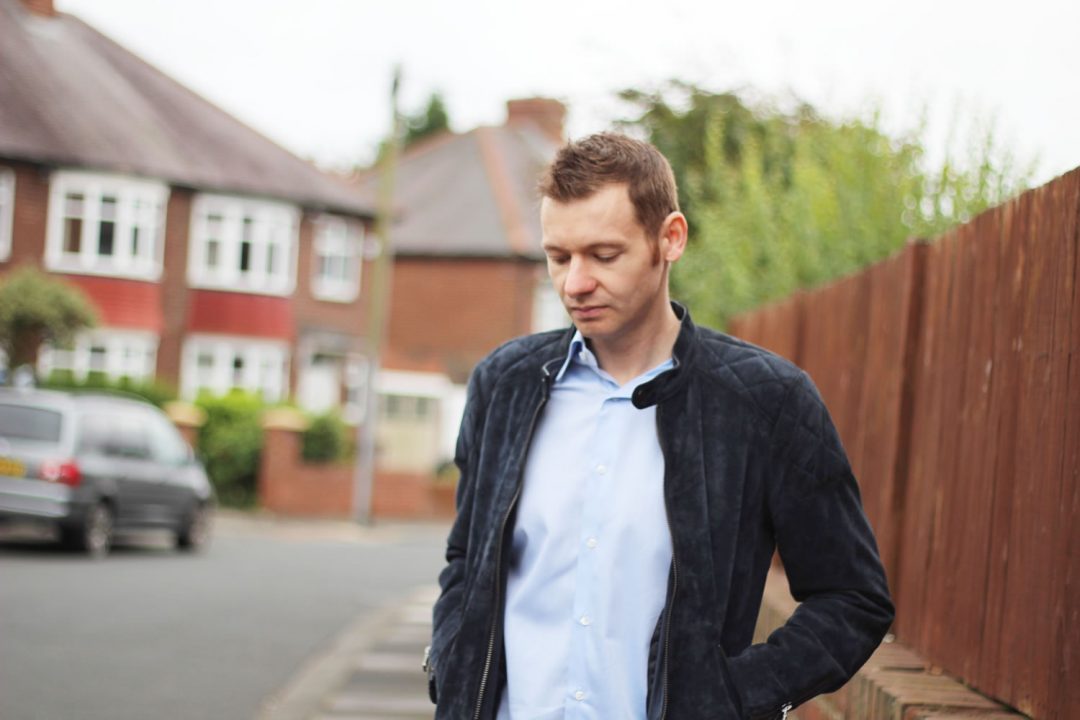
point(327, 439)
point(230, 443)
point(155, 393)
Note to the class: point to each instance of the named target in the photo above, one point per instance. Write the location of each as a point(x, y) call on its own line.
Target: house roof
point(69, 96)
point(471, 194)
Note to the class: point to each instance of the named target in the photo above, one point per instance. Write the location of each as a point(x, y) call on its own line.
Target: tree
point(779, 201)
point(35, 308)
point(433, 119)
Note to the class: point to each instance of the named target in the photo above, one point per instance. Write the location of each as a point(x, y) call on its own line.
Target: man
point(624, 484)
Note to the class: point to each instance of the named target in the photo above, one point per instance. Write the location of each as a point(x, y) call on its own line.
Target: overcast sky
point(314, 75)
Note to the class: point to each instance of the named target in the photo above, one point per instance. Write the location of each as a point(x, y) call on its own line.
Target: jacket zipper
point(674, 573)
point(498, 553)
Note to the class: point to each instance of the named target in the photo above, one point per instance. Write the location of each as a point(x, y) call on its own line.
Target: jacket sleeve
point(446, 615)
point(831, 561)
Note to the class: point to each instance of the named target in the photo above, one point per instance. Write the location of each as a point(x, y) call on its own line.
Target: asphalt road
point(150, 633)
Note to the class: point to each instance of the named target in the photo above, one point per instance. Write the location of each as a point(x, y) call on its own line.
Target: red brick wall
point(289, 486)
point(447, 314)
point(174, 288)
point(31, 211)
point(410, 495)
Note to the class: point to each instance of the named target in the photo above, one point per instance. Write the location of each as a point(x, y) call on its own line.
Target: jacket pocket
point(731, 691)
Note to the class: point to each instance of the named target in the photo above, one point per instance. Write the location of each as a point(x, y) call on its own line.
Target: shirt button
point(579, 695)
point(601, 469)
point(585, 620)
point(592, 543)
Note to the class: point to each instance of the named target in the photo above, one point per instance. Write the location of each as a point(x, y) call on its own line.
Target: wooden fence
point(952, 372)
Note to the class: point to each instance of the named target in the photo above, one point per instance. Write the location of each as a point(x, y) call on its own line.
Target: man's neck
point(626, 357)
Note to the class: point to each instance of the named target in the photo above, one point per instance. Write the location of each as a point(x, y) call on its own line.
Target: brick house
point(468, 275)
point(215, 258)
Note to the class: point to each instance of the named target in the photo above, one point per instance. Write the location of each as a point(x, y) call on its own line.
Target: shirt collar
point(579, 352)
point(577, 344)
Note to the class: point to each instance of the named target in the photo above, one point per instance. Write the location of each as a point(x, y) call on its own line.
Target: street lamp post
point(378, 311)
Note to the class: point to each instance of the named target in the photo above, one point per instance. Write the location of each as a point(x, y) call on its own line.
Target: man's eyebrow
point(598, 245)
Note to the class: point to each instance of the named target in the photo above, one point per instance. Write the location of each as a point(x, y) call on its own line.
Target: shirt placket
point(588, 626)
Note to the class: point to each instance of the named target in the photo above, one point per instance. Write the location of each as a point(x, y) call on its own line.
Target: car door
point(119, 439)
point(173, 460)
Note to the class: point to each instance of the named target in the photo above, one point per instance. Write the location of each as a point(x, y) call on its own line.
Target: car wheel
point(94, 535)
point(194, 533)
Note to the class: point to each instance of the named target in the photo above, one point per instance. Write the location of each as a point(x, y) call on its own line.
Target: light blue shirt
point(590, 554)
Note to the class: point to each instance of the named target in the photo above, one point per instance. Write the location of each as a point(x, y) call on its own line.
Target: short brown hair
point(581, 167)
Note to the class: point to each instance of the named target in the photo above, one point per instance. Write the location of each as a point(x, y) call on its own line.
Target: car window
point(19, 422)
point(114, 433)
point(166, 444)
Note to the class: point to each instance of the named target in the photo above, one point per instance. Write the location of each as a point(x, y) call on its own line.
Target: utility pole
point(378, 310)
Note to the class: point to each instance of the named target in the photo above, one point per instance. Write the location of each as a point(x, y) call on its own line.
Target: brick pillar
point(188, 419)
point(278, 466)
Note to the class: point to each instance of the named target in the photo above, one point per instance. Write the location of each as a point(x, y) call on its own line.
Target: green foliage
point(230, 443)
point(153, 392)
point(779, 201)
point(431, 120)
point(327, 439)
point(35, 308)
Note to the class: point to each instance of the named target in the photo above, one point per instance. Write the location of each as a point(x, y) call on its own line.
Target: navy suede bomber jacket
point(752, 463)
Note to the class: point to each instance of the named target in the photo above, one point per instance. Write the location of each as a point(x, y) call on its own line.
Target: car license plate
point(11, 466)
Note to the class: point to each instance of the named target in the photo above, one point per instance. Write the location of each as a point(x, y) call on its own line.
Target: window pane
point(245, 256)
point(97, 358)
point(213, 253)
point(238, 371)
point(72, 235)
point(27, 423)
point(73, 205)
point(108, 207)
point(106, 230)
point(271, 258)
point(135, 241)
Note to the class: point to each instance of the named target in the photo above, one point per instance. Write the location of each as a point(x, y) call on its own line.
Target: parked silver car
point(95, 463)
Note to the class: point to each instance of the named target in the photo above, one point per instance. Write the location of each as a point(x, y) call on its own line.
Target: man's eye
point(607, 258)
point(558, 259)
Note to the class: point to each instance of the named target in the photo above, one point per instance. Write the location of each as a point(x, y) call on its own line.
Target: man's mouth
point(586, 311)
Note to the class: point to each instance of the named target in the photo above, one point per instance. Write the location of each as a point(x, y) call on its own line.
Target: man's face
point(610, 275)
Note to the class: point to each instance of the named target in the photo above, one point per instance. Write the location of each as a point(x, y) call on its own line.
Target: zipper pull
point(426, 665)
point(784, 711)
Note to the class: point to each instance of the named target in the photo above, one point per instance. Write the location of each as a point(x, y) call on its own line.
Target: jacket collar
point(663, 385)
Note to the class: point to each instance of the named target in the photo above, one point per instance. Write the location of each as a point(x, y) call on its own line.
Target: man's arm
point(446, 616)
point(832, 565)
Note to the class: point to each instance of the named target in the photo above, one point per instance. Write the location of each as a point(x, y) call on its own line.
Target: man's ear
point(673, 236)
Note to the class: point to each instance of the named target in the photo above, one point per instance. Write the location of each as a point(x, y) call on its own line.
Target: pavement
point(371, 670)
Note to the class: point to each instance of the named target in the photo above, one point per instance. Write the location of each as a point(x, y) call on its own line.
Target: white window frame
point(265, 366)
point(126, 353)
point(272, 232)
point(140, 205)
point(341, 241)
point(7, 210)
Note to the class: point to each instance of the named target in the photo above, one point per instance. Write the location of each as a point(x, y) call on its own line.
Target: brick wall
point(447, 314)
point(895, 684)
point(174, 287)
point(289, 486)
point(410, 495)
point(31, 210)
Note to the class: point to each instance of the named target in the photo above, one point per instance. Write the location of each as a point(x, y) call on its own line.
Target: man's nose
point(579, 280)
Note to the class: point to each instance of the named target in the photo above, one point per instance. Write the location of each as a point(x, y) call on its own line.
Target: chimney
point(546, 114)
point(44, 8)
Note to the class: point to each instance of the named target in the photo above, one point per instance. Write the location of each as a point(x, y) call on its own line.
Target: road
point(150, 633)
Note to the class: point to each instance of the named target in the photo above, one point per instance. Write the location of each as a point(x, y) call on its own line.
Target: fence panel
point(953, 375)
